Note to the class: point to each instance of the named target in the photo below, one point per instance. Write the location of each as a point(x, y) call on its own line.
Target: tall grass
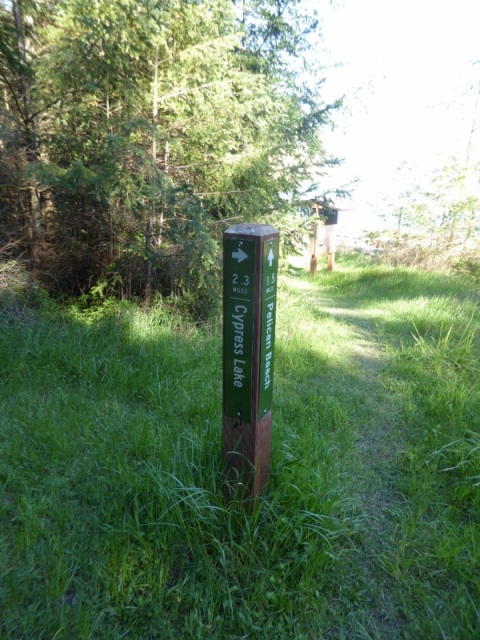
point(112, 519)
point(426, 559)
point(113, 522)
point(441, 481)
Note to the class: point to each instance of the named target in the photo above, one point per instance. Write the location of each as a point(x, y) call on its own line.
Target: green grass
point(112, 518)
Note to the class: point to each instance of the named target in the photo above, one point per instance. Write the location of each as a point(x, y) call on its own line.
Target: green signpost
point(250, 300)
point(239, 302)
point(268, 315)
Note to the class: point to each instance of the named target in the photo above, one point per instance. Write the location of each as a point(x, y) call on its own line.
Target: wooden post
point(313, 250)
point(249, 311)
point(330, 237)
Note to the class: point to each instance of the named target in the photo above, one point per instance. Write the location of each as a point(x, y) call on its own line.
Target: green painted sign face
point(269, 309)
point(238, 314)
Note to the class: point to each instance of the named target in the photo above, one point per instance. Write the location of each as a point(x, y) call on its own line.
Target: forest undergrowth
point(112, 518)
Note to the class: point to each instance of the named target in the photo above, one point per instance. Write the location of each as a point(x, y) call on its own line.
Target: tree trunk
point(152, 210)
point(36, 200)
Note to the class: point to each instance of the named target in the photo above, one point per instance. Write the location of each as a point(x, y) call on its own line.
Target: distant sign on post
point(249, 313)
point(329, 214)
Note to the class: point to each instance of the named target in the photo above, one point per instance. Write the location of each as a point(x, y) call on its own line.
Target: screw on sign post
point(250, 254)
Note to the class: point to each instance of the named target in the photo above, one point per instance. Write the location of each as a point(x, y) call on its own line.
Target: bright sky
point(410, 85)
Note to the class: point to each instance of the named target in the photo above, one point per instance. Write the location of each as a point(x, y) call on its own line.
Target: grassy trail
point(379, 430)
point(405, 564)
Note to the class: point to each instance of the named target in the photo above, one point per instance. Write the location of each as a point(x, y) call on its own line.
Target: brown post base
point(313, 266)
point(246, 452)
point(331, 262)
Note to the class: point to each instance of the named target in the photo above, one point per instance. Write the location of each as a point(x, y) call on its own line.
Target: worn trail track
point(380, 432)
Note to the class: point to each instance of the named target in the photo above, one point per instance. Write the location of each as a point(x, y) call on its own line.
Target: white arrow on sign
point(270, 257)
point(239, 255)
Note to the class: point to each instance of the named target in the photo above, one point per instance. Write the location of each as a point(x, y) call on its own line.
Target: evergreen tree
point(149, 126)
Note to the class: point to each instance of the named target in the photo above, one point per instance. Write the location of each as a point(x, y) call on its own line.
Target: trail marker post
point(329, 214)
point(250, 258)
point(313, 249)
point(329, 242)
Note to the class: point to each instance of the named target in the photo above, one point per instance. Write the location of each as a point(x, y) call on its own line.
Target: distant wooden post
point(250, 254)
point(313, 250)
point(329, 243)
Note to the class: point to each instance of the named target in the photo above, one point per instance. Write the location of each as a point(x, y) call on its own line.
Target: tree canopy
point(132, 133)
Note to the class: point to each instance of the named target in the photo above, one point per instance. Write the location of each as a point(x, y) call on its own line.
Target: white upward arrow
point(239, 255)
point(271, 257)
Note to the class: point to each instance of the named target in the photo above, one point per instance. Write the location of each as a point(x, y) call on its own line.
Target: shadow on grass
point(112, 515)
point(392, 303)
point(296, 272)
point(112, 511)
point(386, 283)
